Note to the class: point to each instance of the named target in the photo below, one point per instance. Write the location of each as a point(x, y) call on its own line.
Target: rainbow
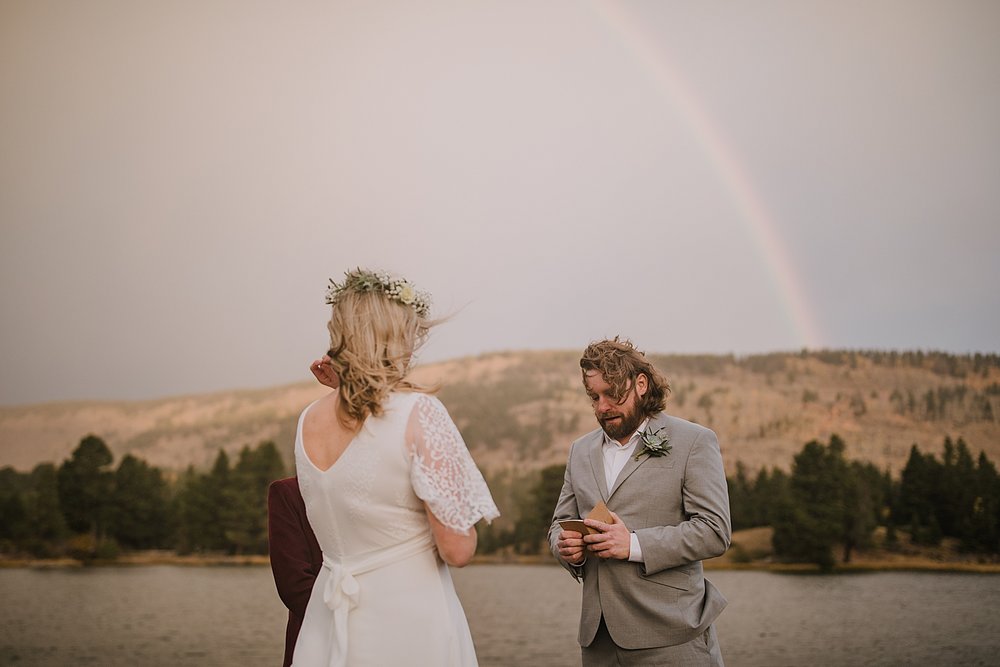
point(753, 211)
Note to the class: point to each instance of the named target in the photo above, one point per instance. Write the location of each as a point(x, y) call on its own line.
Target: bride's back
point(363, 500)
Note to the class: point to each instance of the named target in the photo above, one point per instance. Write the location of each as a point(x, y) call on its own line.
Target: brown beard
point(623, 429)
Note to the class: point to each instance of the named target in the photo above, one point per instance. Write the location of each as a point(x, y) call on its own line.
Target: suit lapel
point(597, 463)
point(632, 465)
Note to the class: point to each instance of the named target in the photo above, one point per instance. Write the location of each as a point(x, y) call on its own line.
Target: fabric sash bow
point(343, 593)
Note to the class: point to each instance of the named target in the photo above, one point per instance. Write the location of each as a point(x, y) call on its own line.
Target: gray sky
point(178, 180)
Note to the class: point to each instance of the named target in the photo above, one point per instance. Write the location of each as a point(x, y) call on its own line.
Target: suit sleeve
point(288, 548)
point(566, 508)
point(707, 531)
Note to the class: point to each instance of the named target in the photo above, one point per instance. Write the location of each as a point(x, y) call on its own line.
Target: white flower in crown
point(407, 294)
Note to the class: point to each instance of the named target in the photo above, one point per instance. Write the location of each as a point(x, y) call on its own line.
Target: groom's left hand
point(614, 540)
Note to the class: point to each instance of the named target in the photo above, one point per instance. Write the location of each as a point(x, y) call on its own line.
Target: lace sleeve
point(442, 471)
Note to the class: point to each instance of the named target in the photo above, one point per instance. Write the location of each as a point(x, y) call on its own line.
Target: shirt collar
point(610, 442)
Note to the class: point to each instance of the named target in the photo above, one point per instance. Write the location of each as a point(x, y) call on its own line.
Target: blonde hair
point(372, 342)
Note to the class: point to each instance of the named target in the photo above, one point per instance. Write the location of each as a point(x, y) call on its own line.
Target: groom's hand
point(570, 545)
point(614, 540)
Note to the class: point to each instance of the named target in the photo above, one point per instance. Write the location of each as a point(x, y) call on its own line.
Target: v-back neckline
point(305, 452)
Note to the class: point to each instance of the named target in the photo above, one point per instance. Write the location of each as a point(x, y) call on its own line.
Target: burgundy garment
point(294, 552)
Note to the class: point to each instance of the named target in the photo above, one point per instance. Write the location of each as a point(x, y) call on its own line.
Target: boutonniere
point(653, 443)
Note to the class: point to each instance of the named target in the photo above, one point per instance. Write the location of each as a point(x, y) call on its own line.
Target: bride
point(390, 491)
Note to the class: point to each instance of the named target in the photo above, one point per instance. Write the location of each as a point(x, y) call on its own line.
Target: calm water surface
point(520, 615)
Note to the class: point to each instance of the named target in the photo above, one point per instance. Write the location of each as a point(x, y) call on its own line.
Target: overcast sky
point(178, 180)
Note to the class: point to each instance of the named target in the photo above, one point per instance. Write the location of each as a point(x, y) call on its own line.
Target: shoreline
point(143, 558)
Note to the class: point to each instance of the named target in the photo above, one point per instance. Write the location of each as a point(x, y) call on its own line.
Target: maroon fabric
point(295, 555)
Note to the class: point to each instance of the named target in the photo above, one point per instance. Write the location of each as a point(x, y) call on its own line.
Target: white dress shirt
point(615, 457)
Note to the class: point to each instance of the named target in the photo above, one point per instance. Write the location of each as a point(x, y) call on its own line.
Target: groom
point(294, 554)
point(645, 598)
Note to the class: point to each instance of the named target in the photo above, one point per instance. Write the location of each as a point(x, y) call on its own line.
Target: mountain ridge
point(521, 409)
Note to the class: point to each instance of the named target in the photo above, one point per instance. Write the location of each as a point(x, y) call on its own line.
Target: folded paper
point(599, 513)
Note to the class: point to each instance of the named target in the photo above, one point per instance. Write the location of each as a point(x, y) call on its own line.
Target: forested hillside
point(912, 439)
point(520, 410)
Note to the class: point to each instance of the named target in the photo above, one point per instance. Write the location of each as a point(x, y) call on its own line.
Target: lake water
point(519, 614)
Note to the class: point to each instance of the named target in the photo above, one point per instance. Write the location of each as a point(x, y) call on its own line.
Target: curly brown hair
point(620, 363)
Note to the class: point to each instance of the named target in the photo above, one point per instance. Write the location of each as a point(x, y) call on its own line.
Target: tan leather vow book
point(600, 513)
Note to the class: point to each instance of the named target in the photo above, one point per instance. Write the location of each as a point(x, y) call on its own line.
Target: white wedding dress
point(383, 597)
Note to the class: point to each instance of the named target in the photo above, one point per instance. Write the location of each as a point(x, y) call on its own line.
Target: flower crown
point(397, 289)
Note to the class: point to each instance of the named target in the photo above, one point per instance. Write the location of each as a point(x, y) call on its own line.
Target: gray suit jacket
point(678, 507)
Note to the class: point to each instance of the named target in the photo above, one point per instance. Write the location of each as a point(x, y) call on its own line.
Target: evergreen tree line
point(826, 507)
point(827, 501)
point(940, 363)
point(958, 403)
point(88, 508)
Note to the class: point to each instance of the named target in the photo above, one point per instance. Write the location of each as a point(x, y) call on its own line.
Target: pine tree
point(981, 530)
point(139, 513)
point(84, 483)
point(535, 510)
point(48, 523)
point(201, 507)
point(919, 496)
point(15, 526)
point(809, 520)
point(245, 508)
point(863, 500)
point(830, 501)
point(741, 501)
point(769, 491)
